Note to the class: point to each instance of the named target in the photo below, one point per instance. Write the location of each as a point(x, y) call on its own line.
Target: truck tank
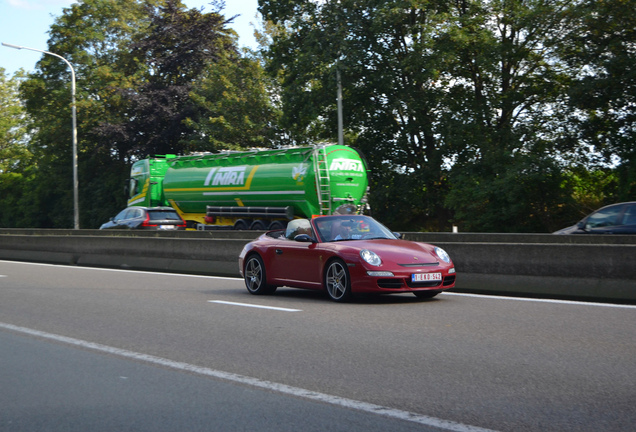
point(261, 186)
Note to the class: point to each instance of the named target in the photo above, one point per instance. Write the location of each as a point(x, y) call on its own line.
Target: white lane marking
point(255, 382)
point(540, 300)
point(123, 270)
point(483, 296)
point(254, 306)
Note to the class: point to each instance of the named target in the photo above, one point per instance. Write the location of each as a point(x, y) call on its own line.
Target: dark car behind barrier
point(613, 219)
point(146, 218)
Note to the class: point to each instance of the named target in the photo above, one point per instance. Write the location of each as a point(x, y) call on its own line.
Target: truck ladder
point(323, 182)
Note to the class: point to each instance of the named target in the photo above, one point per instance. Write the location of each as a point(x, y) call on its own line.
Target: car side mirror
point(304, 238)
point(397, 234)
point(581, 225)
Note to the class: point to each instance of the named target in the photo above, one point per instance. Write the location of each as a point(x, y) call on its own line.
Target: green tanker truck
point(260, 189)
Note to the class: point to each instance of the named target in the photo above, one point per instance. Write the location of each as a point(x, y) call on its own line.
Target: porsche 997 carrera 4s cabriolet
point(344, 255)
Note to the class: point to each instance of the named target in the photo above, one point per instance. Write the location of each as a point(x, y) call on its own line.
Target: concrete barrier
point(199, 256)
point(575, 267)
point(216, 234)
point(586, 267)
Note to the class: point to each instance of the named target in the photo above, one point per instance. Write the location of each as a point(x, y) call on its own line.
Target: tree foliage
point(138, 66)
point(391, 102)
point(463, 108)
point(93, 36)
point(14, 153)
point(494, 115)
point(233, 107)
point(168, 59)
point(600, 50)
point(15, 158)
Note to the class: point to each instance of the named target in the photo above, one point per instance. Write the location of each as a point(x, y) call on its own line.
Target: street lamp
point(339, 97)
point(75, 181)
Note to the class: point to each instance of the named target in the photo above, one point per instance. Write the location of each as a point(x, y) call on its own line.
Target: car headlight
point(441, 253)
point(380, 273)
point(370, 257)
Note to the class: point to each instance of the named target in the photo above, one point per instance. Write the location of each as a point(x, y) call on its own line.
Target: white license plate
point(426, 277)
point(167, 227)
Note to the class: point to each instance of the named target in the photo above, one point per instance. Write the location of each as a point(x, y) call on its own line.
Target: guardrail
point(574, 267)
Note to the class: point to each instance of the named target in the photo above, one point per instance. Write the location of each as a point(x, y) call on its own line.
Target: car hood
point(402, 252)
point(569, 230)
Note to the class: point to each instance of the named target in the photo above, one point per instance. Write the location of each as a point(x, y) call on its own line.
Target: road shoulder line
point(254, 382)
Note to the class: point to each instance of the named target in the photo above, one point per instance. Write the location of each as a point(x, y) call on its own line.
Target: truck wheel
point(258, 225)
point(255, 277)
point(276, 225)
point(240, 225)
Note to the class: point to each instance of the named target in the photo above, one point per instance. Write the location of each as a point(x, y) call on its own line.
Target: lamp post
point(339, 97)
point(75, 180)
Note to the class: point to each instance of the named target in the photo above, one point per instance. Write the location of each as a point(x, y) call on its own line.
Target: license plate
point(426, 277)
point(167, 227)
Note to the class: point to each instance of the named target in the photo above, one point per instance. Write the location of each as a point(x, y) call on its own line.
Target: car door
point(628, 220)
point(302, 262)
point(296, 263)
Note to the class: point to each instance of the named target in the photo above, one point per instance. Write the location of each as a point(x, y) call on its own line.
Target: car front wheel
point(255, 278)
point(337, 281)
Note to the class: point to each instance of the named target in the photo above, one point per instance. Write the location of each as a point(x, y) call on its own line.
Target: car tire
point(337, 281)
point(425, 294)
point(256, 278)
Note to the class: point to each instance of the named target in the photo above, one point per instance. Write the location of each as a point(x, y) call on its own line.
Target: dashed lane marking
point(254, 306)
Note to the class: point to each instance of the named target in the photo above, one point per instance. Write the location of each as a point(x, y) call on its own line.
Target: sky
point(26, 23)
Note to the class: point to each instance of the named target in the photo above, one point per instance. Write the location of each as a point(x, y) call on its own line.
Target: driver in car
point(339, 231)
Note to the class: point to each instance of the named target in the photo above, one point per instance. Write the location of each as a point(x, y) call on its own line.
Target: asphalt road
point(97, 349)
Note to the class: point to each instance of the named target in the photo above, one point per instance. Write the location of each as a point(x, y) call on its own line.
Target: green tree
point(14, 153)
point(137, 63)
point(234, 107)
point(392, 74)
point(178, 47)
point(16, 161)
point(600, 52)
point(450, 101)
point(94, 36)
point(507, 116)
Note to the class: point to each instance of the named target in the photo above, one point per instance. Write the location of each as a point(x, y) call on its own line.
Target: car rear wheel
point(255, 278)
point(337, 281)
point(425, 294)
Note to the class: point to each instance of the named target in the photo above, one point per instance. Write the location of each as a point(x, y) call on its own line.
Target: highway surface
point(97, 349)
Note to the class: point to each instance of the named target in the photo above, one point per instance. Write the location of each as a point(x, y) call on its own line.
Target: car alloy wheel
point(337, 281)
point(255, 279)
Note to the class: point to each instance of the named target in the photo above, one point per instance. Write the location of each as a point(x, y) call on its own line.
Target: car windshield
point(338, 228)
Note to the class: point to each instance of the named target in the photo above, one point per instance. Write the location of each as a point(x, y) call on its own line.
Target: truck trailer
point(255, 189)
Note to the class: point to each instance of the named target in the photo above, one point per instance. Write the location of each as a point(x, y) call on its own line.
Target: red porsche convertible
point(344, 255)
